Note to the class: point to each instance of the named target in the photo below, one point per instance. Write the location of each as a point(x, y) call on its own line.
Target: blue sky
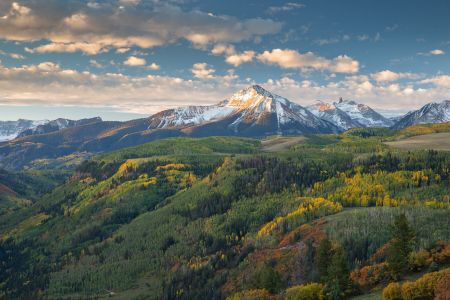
point(123, 59)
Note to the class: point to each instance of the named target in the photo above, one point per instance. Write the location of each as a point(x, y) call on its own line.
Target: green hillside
point(209, 218)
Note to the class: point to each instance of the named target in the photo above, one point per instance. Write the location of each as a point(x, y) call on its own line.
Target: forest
point(337, 216)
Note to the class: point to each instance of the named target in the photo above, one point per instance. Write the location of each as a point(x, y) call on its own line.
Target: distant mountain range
point(10, 130)
point(251, 112)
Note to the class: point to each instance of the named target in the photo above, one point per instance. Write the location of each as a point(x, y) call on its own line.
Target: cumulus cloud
point(231, 56)
point(154, 67)
point(203, 71)
point(292, 59)
point(240, 58)
point(388, 75)
point(48, 83)
point(94, 28)
point(440, 80)
point(223, 49)
point(134, 61)
point(358, 88)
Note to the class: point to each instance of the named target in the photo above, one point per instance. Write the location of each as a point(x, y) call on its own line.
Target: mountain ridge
point(251, 112)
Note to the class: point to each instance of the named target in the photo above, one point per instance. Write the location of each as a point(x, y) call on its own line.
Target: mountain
point(11, 129)
point(347, 114)
point(331, 113)
point(253, 111)
point(430, 113)
point(363, 114)
point(55, 125)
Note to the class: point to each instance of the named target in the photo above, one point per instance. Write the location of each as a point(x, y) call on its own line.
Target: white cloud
point(440, 80)
point(16, 56)
point(79, 27)
point(231, 56)
point(388, 75)
point(129, 2)
point(358, 88)
point(48, 83)
point(122, 50)
point(223, 49)
point(134, 61)
point(154, 66)
point(437, 52)
point(432, 52)
point(240, 58)
point(291, 59)
point(285, 7)
point(95, 63)
point(86, 48)
point(203, 71)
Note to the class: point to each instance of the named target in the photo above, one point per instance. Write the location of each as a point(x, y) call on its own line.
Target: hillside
point(185, 218)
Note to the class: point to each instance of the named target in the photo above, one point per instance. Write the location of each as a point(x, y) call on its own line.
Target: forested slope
point(211, 218)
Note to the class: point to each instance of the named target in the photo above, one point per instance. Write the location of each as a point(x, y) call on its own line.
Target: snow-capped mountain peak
point(11, 129)
point(434, 112)
point(253, 108)
point(363, 114)
point(329, 112)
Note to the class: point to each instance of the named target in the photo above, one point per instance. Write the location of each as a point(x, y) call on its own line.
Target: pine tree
point(323, 258)
point(338, 275)
point(401, 246)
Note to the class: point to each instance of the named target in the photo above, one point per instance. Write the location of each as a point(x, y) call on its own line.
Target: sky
point(124, 59)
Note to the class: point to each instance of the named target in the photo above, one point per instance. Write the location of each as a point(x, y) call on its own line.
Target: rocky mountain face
point(430, 113)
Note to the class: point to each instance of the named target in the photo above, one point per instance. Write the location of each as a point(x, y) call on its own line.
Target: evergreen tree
point(338, 275)
point(401, 246)
point(323, 258)
point(267, 278)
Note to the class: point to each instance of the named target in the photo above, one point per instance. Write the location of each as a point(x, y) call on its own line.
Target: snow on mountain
point(11, 129)
point(430, 113)
point(331, 113)
point(249, 109)
point(55, 125)
point(363, 114)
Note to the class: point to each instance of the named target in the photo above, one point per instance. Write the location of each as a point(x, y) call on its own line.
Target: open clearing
point(436, 141)
point(281, 143)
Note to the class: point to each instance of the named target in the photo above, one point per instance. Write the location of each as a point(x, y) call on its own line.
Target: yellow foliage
point(392, 292)
point(172, 167)
point(312, 291)
point(423, 288)
point(255, 294)
point(310, 207)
